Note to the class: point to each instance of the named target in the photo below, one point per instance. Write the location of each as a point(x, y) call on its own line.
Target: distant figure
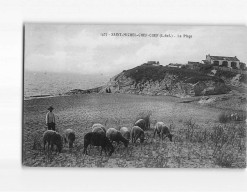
point(108, 90)
point(50, 119)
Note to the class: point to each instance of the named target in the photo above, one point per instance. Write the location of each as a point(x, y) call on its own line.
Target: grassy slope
point(80, 111)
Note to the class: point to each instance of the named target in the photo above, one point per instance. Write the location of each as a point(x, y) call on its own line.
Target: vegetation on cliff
point(157, 73)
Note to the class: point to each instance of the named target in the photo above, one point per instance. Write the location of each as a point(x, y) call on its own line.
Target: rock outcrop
point(81, 91)
point(160, 80)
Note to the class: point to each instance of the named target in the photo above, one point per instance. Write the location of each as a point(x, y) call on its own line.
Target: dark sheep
point(137, 133)
point(142, 124)
point(115, 135)
point(98, 139)
point(52, 138)
point(69, 137)
point(99, 125)
point(162, 130)
point(125, 132)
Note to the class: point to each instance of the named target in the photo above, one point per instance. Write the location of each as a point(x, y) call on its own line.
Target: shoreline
point(69, 93)
point(224, 102)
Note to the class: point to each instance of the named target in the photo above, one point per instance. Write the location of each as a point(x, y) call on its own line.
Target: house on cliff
point(154, 63)
point(223, 61)
point(194, 65)
point(172, 65)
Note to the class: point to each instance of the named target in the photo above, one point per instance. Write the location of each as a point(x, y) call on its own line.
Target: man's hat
point(50, 108)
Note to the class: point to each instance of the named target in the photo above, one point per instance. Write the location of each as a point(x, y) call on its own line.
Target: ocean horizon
point(41, 84)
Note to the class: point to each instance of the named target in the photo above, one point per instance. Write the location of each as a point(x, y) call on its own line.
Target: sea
point(43, 84)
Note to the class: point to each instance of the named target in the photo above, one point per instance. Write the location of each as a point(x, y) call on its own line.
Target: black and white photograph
point(134, 96)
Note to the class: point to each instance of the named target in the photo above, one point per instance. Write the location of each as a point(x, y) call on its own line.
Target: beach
point(79, 112)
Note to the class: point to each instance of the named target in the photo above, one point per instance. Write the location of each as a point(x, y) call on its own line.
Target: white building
point(171, 65)
point(230, 62)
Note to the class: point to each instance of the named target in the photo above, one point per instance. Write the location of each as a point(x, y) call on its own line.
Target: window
point(234, 65)
point(225, 63)
point(216, 63)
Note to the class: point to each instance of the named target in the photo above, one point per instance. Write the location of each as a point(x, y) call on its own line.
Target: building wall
point(228, 63)
point(208, 59)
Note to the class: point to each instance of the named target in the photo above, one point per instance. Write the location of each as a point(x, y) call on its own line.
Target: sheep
point(69, 137)
point(115, 135)
point(142, 124)
point(99, 130)
point(52, 138)
point(97, 139)
point(99, 125)
point(125, 132)
point(162, 130)
point(137, 133)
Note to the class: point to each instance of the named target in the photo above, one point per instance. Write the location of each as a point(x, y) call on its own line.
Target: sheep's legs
point(154, 133)
point(133, 139)
point(44, 146)
point(85, 148)
point(85, 151)
point(102, 150)
point(52, 146)
point(118, 145)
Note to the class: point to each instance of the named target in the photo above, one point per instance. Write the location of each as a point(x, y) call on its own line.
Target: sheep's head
point(64, 139)
point(126, 143)
point(71, 144)
point(111, 148)
point(142, 138)
point(71, 139)
point(170, 137)
point(59, 142)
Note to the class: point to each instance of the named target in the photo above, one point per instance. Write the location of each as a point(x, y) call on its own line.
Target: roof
point(205, 61)
point(224, 58)
point(152, 62)
point(175, 65)
point(194, 63)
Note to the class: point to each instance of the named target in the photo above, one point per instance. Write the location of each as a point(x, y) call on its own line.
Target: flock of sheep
point(99, 136)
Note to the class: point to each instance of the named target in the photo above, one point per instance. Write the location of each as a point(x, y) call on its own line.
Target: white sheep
point(115, 135)
point(162, 130)
point(99, 125)
point(69, 137)
point(125, 132)
point(99, 130)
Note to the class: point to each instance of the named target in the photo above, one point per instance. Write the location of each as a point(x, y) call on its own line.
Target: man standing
point(50, 119)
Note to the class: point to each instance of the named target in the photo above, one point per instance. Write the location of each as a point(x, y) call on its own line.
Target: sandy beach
point(79, 112)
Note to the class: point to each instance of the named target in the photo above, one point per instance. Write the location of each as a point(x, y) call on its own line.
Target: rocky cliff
point(161, 80)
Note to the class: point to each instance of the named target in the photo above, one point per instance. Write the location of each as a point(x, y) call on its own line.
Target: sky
point(76, 48)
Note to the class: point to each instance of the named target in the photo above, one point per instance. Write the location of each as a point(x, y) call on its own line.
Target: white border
point(13, 13)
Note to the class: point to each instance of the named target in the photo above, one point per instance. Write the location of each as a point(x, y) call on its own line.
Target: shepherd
point(50, 119)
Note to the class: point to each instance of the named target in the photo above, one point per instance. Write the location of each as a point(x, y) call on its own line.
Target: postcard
point(134, 96)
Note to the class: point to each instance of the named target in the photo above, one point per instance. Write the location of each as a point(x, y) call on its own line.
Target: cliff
point(161, 80)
